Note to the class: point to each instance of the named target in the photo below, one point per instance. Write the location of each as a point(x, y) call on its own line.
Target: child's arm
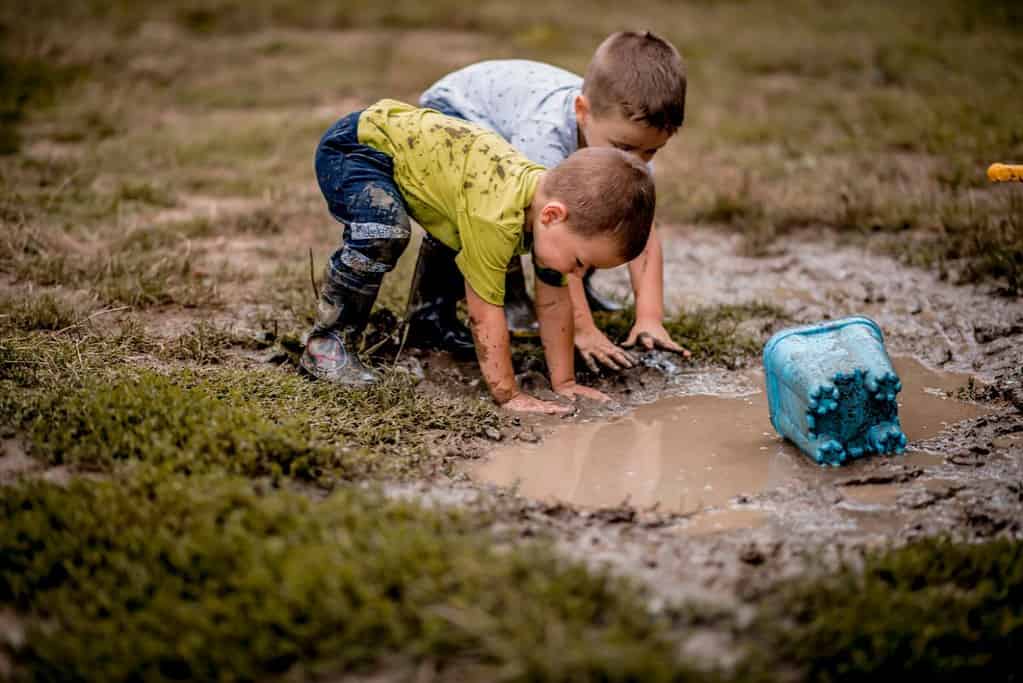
point(593, 345)
point(647, 275)
point(554, 311)
point(493, 349)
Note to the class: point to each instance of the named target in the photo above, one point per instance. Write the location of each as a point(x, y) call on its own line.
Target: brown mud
point(957, 348)
point(965, 328)
point(785, 513)
point(776, 519)
point(746, 536)
point(693, 454)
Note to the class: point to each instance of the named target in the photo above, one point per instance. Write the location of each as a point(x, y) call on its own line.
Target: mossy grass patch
point(161, 577)
point(28, 82)
point(28, 312)
point(712, 334)
point(935, 609)
point(83, 406)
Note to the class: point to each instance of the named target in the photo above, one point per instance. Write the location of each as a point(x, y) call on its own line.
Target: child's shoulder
point(510, 71)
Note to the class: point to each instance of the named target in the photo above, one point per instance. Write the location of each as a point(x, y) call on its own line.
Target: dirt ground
point(164, 218)
point(969, 488)
point(964, 483)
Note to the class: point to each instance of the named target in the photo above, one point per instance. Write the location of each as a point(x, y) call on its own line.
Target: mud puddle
point(695, 454)
point(878, 496)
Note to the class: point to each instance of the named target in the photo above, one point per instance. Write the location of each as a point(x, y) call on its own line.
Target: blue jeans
point(357, 182)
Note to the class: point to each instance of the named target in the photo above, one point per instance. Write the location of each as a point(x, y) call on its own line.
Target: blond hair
point(608, 193)
point(640, 74)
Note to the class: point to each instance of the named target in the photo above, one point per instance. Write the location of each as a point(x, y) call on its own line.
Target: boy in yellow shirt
point(477, 196)
point(631, 97)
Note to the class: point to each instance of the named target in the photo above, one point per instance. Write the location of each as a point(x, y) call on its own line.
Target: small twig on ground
point(60, 188)
point(312, 276)
point(79, 323)
point(376, 346)
point(403, 334)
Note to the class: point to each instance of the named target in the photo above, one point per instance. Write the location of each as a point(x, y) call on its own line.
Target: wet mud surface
point(686, 486)
point(694, 454)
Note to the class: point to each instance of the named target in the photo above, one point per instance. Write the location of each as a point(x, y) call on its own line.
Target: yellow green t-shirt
point(463, 183)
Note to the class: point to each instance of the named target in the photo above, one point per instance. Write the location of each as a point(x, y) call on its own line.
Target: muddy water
point(873, 496)
point(696, 453)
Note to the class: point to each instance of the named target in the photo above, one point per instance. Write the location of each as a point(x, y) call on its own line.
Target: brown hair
point(607, 193)
point(642, 75)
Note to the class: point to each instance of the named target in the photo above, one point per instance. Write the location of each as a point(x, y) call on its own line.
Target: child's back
point(464, 184)
point(529, 104)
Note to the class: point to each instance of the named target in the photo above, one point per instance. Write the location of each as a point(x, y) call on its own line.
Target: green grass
point(145, 193)
point(711, 334)
point(138, 280)
point(82, 400)
point(974, 244)
point(156, 577)
point(137, 275)
point(868, 118)
point(184, 429)
point(407, 430)
point(165, 235)
point(204, 344)
point(27, 83)
point(875, 119)
point(40, 361)
point(934, 610)
point(27, 313)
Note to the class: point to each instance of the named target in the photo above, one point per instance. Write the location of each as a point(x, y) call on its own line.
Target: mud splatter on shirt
point(529, 104)
point(472, 196)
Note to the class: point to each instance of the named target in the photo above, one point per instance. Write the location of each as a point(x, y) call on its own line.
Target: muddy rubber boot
point(595, 299)
point(437, 286)
point(518, 308)
point(330, 349)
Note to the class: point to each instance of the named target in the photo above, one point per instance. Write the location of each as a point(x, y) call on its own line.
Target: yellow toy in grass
point(1003, 173)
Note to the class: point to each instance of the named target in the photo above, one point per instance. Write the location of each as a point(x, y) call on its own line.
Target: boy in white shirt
point(632, 98)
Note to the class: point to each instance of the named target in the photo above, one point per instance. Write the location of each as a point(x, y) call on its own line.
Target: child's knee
point(373, 248)
point(377, 202)
point(384, 253)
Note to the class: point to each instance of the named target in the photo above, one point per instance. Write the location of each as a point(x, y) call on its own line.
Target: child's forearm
point(554, 311)
point(493, 346)
point(582, 317)
point(647, 275)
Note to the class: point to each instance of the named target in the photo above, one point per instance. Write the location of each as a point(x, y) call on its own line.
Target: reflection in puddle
point(684, 454)
point(927, 404)
point(692, 453)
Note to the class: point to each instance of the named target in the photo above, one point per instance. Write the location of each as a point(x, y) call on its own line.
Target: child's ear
point(553, 212)
point(582, 109)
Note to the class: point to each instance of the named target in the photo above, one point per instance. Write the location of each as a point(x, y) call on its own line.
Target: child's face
point(558, 247)
point(614, 130)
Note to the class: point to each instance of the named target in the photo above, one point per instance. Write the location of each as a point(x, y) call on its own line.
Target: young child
point(632, 98)
point(479, 198)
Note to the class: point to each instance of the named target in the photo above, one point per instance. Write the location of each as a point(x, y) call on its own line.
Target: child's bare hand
point(650, 335)
point(524, 403)
point(596, 348)
point(573, 390)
